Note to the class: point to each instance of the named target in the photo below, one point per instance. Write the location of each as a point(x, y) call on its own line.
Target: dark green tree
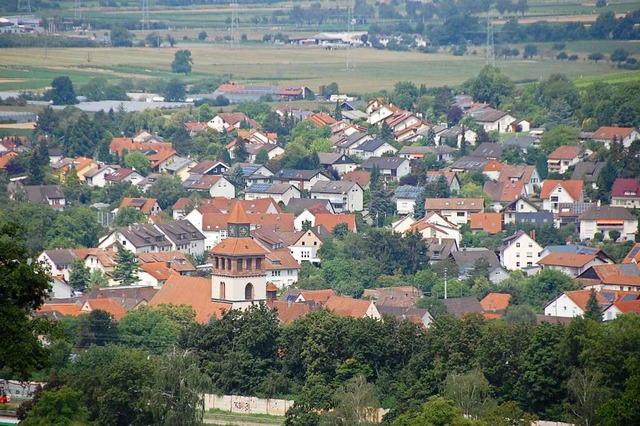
point(126, 269)
point(61, 406)
point(61, 92)
point(80, 277)
point(606, 178)
point(240, 153)
point(128, 216)
point(262, 157)
point(175, 91)
point(182, 62)
point(167, 189)
point(418, 207)
point(593, 307)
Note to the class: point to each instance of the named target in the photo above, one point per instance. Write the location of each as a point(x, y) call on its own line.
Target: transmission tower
point(77, 12)
point(21, 5)
point(145, 16)
point(490, 52)
point(235, 23)
point(351, 62)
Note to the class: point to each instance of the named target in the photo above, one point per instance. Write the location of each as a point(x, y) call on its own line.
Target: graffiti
point(241, 406)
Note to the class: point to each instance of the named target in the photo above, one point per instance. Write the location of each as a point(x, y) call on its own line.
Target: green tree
point(98, 328)
point(606, 178)
point(437, 411)
point(490, 86)
point(126, 269)
point(61, 92)
point(58, 407)
point(24, 286)
point(121, 37)
point(240, 153)
point(418, 207)
point(530, 50)
point(77, 225)
point(262, 157)
point(138, 162)
point(177, 394)
point(558, 136)
point(148, 328)
point(175, 91)
point(619, 55)
point(355, 403)
point(128, 215)
point(167, 190)
point(470, 391)
point(182, 62)
point(593, 307)
point(202, 35)
point(79, 278)
point(587, 392)
point(595, 57)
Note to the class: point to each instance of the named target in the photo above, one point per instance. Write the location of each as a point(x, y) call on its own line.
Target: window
point(248, 292)
point(529, 254)
point(239, 264)
point(249, 264)
point(217, 262)
point(518, 254)
point(258, 263)
point(275, 273)
point(460, 214)
point(518, 264)
point(223, 290)
point(517, 244)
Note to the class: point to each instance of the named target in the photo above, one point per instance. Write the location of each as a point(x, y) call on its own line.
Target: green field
point(28, 69)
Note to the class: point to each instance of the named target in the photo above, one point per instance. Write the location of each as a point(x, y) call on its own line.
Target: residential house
point(154, 274)
point(209, 167)
point(251, 173)
point(433, 228)
point(381, 113)
point(391, 168)
point(180, 167)
point(51, 195)
point(568, 213)
point(503, 193)
point(279, 192)
point(555, 192)
point(361, 177)
point(521, 125)
point(606, 135)
point(214, 185)
point(123, 175)
point(626, 193)
point(519, 251)
point(119, 145)
point(572, 264)
point(621, 307)
point(321, 119)
point(399, 296)
point(161, 159)
point(317, 297)
point(606, 220)
point(341, 163)
point(469, 163)
point(443, 153)
point(343, 195)
point(634, 255)
point(521, 205)
point(572, 304)
point(456, 210)
point(454, 136)
point(146, 206)
point(494, 120)
point(492, 169)
point(304, 245)
point(523, 142)
point(496, 302)
point(611, 277)
point(372, 148)
point(281, 268)
point(138, 239)
point(184, 236)
point(462, 306)
point(298, 205)
point(330, 221)
point(96, 175)
point(412, 134)
point(491, 223)
point(194, 127)
point(60, 289)
point(272, 150)
point(307, 217)
point(528, 175)
point(467, 258)
point(490, 151)
point(451, 178)
point(588, 171)
point(343, 143)
point(230, 121)
point(58, 262)
point(104, 304)
point(402, 120)
point(564, 157)
point(301, 179)
point(576, 249)
point(410, 314)
point(355, 308)
point(405, 196)
point(175, 260)
point(5, 157)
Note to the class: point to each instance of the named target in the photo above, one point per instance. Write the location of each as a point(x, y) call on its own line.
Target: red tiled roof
point(120, 144)
point(571, 260)
point(347, 307)
point(565, 152)
point(581, 297)
point(360, 177)
point(495, 302)
point(572, 186)
point(107, 305)
point(143, 204)
point(289, 312)
point(488, 222)
point(161, 156)
point(238, 247)
point(158, 270)
point(626, 188)
point(66, 309)
point(195, 292)
point(634, 255)
point(628, 306)
point(4, 159)
point(609, 133)
point(318, 296)
point(492, 166)
point(321, 119)
point(281, 259)
point(330, 221)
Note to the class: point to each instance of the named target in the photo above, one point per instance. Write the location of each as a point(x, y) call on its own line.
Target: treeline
point(38, 40)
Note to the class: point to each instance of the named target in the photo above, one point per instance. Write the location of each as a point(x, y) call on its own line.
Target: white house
point(96, 175)
point(280, 192)
point(456, 210)
point(373, 148)
point(391, 168)
point(58, 261)
point(607, 135)
point(519, 251)
point(435, 227)
point(556, 192)
point(572, 304)
point(214, 185)
point(301, 179)
point(607, 219)
point(405, 196)
point(343, 195)
point(281, 268)
point(494, 120)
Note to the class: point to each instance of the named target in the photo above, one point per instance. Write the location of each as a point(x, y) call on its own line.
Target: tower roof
point(238, 215)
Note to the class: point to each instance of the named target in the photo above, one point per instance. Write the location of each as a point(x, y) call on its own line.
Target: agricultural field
point(28, 69)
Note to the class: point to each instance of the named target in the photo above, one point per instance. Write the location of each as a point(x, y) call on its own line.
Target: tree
point(61, 92)
point(593, 307)
point(182, 62)
point(490, 86)
point(619, 55)
point(337, 112)
point(167, 190)
point(126, 269)
point(138, 162)
point(98, 328)
point(595, 57)
point(175, 91)
point(24, 287)
point(530, 50)
point(121, 37)
point(128, 215)
point(154, 39)
point(418, 207)
point(437, 411)
point(202, 35)
point(148, 328)
point(562, 56)
point(172, 42)
point(355, 403)
point(177, 394)
point(470, 391)
point(79, 278)
point(587, 392)
point(558, 136)
point(240, 153)
point(61, 406)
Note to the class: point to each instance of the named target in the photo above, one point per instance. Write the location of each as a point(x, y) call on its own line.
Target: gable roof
point(145, 205)
point(472, 204)
point(634, 255)
point(626, 188)
point(570, 260)
point(466, 258)
point(321, 119)
point(488, 222)
point(460, 306)
point(504, 192)
point(572, 186)
point(390, 163)
point(333, 187)
point(565, 152)
point(520, 172)
point(407, 192)
point(330, 221)
point(287, 311)
point(205, 166)
point(61, 256)
point(587, 171)
point(607, 212)
point(581, 297)
point(298, 205)
point(609, 133)
point(347, 307)
point(495, 302)
point(488, 150)
point(294, 174)
point(361, 177)
point(104, 304)
point(371, 145)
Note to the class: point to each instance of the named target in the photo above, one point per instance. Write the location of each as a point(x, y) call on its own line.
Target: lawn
point(282, 65)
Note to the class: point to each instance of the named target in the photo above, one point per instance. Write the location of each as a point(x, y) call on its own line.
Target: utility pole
point(145, 16)
point(445, 283)
point(351, 63)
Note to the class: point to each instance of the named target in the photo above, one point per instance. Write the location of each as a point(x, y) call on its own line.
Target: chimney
point(532, 234)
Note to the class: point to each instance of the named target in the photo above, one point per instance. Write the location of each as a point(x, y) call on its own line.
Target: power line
point(145, 16)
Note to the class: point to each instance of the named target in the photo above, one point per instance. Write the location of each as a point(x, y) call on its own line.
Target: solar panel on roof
point(608, 296)
point(259, 187)
point(628, 297)
point(634, 251)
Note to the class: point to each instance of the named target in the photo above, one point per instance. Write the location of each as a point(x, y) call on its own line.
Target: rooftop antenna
point(490, 52)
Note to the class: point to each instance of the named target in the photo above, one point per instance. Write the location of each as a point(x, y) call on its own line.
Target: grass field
point(28, 69)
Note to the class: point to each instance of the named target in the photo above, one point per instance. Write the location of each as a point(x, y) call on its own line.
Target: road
point(238, 419)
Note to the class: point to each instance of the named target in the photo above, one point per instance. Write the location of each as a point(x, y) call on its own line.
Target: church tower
point(239, 276)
